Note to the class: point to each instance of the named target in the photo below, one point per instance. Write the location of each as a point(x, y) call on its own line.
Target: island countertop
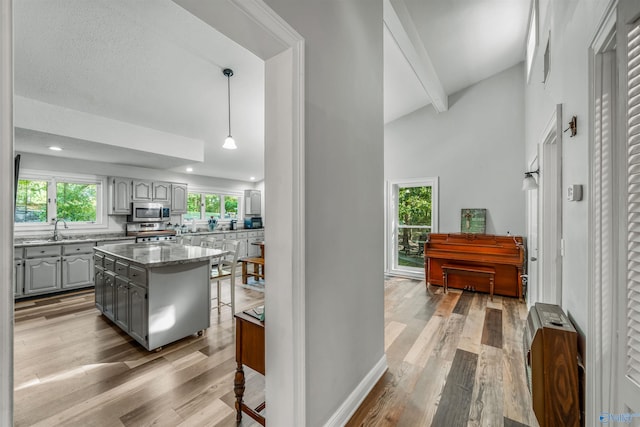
point(160, 254)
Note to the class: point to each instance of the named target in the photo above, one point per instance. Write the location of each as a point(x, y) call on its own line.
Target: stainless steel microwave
point(148, 212)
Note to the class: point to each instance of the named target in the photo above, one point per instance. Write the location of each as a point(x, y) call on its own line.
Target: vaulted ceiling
point(140, 82)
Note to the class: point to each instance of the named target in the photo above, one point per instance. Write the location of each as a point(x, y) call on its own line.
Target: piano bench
point(471, 270)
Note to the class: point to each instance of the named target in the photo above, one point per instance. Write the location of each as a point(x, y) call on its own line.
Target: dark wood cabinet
point(551, 356)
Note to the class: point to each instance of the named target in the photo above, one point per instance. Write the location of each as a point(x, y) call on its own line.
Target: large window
point(42, 200)
point(203, 206)
point(412, 216)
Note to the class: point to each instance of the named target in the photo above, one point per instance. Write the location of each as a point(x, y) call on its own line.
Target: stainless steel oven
point(149, 232)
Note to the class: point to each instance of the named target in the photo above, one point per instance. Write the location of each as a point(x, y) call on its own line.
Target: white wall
point(572, 26)
point(476, 148)
point(344, 196)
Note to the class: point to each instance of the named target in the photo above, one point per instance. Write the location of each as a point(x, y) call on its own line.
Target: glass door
point(413, 217)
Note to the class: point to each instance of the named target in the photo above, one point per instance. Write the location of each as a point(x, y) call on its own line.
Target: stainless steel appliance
point(146, 212)
point(150, 232)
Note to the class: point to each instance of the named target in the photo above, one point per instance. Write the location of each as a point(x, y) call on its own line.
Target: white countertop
point(160, 254)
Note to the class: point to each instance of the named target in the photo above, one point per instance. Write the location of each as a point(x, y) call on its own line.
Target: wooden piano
point(502, 256)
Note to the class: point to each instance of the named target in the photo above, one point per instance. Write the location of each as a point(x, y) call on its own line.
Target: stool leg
point(218, 296)
point(232, 282)
point(244, 272)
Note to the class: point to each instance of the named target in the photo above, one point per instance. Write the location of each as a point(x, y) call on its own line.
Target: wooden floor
point(454, 360)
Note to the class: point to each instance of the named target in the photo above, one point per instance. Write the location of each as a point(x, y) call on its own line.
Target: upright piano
point(502, 254)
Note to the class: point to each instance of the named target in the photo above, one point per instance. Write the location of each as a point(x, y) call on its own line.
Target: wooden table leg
point(244, 273)
point(238, 388)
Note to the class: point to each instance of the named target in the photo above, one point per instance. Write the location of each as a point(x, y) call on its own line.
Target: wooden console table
point(249, 352)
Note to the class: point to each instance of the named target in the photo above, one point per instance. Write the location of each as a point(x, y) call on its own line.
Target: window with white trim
point(41, 199)
point(202, 205)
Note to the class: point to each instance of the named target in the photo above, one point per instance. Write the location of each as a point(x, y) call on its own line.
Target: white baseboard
point(352, 403)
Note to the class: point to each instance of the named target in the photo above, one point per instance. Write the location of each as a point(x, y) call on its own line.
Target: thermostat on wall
point(574, 193)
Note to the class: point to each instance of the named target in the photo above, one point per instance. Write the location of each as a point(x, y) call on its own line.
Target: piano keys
point(504, 254)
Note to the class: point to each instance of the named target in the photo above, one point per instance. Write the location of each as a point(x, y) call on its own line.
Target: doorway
point(284, 134)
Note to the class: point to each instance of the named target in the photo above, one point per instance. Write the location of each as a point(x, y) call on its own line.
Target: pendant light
point(229, 143)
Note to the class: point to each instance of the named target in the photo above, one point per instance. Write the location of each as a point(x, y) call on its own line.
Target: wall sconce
point(529, 182)
point(573, 126)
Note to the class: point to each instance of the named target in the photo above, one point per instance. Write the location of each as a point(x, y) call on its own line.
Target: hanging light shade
point(229, 142)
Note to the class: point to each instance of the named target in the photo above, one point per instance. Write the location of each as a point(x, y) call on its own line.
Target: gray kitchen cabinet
point(119, 196)
point(253, 237)
point(41, 275)
point(142, 191)
point(108, 298)
point(77, 271)
point(151, 191)
point(161, 192)
point(252, 201)
point(138, 313)
point(18, 276)
point(99, 287)
point(178, 199)
point(77, 265)
point(121, 305)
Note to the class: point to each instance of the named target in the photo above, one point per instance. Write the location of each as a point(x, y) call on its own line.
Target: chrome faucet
point(56, 236)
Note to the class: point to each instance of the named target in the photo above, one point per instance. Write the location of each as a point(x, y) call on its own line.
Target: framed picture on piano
point(473, 221)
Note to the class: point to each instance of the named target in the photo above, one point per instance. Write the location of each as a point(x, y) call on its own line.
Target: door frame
point(390, 215)
point(550, 211)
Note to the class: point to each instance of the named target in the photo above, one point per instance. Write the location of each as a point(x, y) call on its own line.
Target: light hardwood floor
point(453, 360)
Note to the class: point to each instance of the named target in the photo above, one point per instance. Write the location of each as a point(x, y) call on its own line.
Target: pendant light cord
point(229, 99)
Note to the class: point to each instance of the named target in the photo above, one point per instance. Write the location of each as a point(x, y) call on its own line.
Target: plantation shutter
point(633, 206)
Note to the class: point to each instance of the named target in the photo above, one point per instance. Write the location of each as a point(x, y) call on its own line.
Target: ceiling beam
point(403, 30)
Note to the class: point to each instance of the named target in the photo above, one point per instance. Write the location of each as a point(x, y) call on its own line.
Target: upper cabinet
point(178, 199)
point(119, 196)
point(252, 202)
point(161, 192)
point(123, 191)
point(151, 191)
point(142, 191)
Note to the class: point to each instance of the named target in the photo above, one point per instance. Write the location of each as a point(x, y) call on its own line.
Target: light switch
point(574, 193)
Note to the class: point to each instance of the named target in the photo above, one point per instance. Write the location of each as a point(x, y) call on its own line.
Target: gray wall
point(344, 195)
point(475, 148)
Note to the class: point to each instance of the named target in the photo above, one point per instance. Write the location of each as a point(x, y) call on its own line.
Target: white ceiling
point(140, 82)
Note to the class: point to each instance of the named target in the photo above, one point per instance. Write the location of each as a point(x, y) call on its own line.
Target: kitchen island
point(157, 293)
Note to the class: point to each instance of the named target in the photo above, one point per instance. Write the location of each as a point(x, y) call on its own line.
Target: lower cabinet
point(41, 275)
point(18, 276)
point(53, 268)
point(99, 287)
point(121, 295)
point(138, 313)
point(108, 306)
point(77, 271)
point(121, 312)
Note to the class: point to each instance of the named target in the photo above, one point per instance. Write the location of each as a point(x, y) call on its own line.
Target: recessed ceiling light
point(253, 178)
point(189, 169)
point(54, 148)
